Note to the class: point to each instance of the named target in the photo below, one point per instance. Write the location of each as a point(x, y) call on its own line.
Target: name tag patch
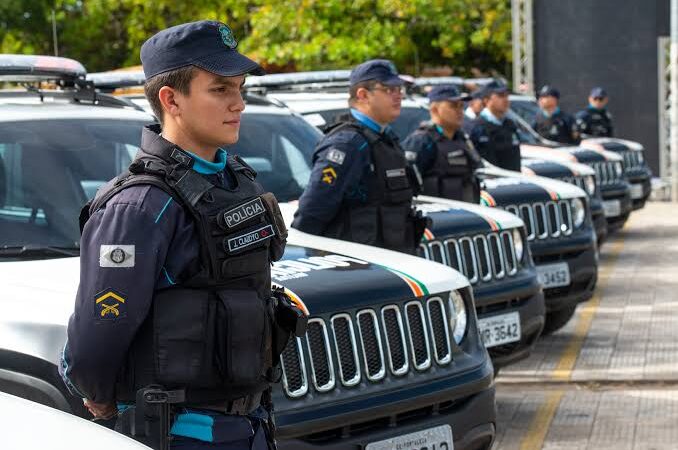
point(393, 173)
point(250, 238)
point(116, 256)
point(243, 213)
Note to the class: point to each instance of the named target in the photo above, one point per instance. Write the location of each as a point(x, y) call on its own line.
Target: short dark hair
point(353, 90)
point(179, 79)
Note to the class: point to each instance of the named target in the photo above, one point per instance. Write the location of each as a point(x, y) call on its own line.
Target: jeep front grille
point(632, 159)
point(605, 172)
point(545, 220)
point(482, 257)
point(577, 181)
point(368, 345)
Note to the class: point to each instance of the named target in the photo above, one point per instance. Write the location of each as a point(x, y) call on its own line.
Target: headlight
point(458, 321)
point(578, 212)
point(518, 244)
point(619, 170)
point(590, 184)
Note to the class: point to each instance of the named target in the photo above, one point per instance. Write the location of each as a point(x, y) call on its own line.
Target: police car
point(392, 353)
point(57, 430)
point(483, 243)
point(565, 258)
point(635, 168)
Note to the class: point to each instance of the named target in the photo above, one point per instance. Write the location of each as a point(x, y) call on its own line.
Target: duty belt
point(241, 406)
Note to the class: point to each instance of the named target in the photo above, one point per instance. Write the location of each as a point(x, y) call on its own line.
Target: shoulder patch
point(336, 156)
point(116, 255)
point(110, 304)
point(329, 175)
point(411, 156)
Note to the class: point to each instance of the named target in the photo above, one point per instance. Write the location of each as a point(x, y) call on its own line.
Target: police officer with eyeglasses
point(442, 151)
point(176, 331)
point(551, 121)
point(596, 120)
point(361, 187)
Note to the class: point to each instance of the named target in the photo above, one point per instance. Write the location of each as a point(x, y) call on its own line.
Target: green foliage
point(465, 35)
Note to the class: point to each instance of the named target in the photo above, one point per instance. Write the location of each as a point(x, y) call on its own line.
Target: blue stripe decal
point(169, 279)
point(196, 426)
point(162, 211)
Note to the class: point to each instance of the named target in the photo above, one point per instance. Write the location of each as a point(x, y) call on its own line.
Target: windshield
point(526, 109)
point(280, 148)
point(48, 171)
point(409, 120)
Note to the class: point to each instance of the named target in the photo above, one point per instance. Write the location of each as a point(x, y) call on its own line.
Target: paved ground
point(609, 379)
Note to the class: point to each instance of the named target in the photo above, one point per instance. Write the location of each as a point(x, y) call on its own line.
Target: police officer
point(475, 105)
point(361, 188)
point(552, 122)
point(174, 304)
point(442, 152)
point(596, 120)
point(495, 135)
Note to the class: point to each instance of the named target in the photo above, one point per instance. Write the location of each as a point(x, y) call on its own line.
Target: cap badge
point(227, 36)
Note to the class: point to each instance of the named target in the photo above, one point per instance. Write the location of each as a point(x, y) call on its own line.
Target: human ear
point(169, 101)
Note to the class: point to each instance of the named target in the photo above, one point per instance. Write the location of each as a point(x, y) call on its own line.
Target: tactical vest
point(554, 128)
point(386, 218)
point(599, 123)
point(503, 147)
point(452, 175)
point(212, 334)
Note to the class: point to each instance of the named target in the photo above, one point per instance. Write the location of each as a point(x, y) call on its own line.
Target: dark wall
point(612, 43)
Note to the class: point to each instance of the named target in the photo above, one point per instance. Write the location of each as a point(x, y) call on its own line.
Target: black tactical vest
point(554, 128)
point(387, 218)
point(599, 123)
point(503, 147)
point(212, 334)
point(452, 175)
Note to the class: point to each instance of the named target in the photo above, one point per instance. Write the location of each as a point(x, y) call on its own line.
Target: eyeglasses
point(599, 99)
point(390, 90)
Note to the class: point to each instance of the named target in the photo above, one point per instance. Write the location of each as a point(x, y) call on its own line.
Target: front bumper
point(580, 254)
point(521, 294)
point(618, 192)
point(641, 186)
point(465, 403)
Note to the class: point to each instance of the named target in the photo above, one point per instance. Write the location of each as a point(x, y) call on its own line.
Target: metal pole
point(54, 34)
point(515, 35)
point(674, 100)
point(663, 129)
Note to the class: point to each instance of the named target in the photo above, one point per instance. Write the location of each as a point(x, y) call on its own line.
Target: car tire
point(555, 320)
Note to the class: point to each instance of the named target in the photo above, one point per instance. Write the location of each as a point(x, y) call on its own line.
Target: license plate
point(438, 438)
point(636, 191)
point(498, 330)
point(554, 275)
point(612, 208)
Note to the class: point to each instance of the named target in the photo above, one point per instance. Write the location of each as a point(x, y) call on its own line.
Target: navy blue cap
point(598, 92)
point(381, 70)
point(495, 87)
point(446, 92)
point(478, 94)
point(206, 44)
point(548, 91)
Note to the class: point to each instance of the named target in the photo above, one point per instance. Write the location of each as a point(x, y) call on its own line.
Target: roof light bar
point(39, 68)
point(117, 79)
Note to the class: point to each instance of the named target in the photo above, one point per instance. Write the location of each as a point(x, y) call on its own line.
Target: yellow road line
point(534, 439)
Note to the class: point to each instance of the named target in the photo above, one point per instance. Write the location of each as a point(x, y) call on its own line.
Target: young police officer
point(596, 120)
point(493, 134)
point(360, 188)
point(551, 122)
point(174, 301)
point(442, 152)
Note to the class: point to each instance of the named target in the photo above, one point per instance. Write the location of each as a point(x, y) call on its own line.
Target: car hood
point(595, 153)
point(554, 169)
point(612, 144)
point(451, 218)
point(57, 431)
point(325, 274)
point(502, 187)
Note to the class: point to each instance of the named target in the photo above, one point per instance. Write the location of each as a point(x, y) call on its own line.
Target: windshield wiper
point(38, 250)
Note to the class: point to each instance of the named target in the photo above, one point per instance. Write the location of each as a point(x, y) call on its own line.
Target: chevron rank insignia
point(110, 304)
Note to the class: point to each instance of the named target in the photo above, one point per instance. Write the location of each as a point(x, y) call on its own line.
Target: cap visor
point(229, 64)
point(392, 81)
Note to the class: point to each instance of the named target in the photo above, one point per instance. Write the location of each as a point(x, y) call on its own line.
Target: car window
point(526, 109)
point(50, 168)
point(280, 148)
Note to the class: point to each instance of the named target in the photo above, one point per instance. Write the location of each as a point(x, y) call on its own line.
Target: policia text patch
point(239, 214)
point(249, 238)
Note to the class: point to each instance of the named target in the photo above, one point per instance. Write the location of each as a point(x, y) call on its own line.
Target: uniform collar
point(594, 109)
point(367, 121)
point(487, 115)
point(441, 132)
point(470, 114)
point(205, 167)
point(547, 115)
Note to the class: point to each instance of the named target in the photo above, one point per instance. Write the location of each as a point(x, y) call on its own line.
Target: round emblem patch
point(227, 36)
point(118, 256)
